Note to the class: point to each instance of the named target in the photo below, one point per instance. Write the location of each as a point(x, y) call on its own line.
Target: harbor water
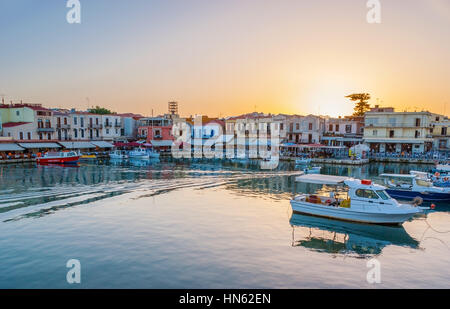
point(174, 224)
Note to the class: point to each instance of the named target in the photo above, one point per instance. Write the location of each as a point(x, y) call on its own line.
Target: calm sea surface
point(201, 225)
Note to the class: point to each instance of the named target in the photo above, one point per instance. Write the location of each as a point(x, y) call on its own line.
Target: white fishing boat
point(139, 153)
point(364, 202)
point(118, 155)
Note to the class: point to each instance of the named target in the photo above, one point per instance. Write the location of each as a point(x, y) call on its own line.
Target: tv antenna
point(3, 97)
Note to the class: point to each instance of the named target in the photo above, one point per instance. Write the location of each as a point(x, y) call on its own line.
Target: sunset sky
point(226, 57)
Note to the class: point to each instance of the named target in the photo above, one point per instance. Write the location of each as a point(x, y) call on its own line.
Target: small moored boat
point(365, 202)
point(410, 187)
point(303, 161)
point(139, 153)
point(62, 157)
point(118, 155)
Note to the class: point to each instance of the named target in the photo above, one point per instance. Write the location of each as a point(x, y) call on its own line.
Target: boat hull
point(56, 160)
point(141, 157)
point(346, 214)
point(426, 196)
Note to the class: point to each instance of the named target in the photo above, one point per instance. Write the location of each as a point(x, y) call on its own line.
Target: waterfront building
point(63, 125)
point(398, 132)
point(343, 131)
point(157, 131)
point(305, 129)
point(130, 124)
point(79, 125)
point(440, 133)
point(112, 127)
point(24, 121)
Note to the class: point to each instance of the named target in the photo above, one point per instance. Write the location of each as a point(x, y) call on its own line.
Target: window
point(297, 126)
point(75, 120)
point(21, 136)
point(444, 131)
point(107, 131)
point(17, 113)
point(82, 122)
point(417, 135)
point(417, 122)
point(49, 136)
point(310, 127)
point(40, 136)
point(391, 133)
point(348, 129)
point(367, 194)
point(281, 126)
point(75, 133)
point(337, 128)
point(65, 121)
point(29, 135)
point(383, 194)
point(330, 127)
point(82, 132)
point(375, 132)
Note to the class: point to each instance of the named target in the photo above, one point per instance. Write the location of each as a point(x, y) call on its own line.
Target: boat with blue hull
point(410, 187)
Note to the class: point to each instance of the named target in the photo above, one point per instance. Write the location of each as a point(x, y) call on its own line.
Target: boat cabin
point(409, 182)
point(358, 193)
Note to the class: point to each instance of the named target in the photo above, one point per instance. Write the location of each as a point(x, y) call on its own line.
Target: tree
point(100, 111)
point(362, 103)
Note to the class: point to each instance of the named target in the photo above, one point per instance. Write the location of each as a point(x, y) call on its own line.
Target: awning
point(10, 147)
point(77, 145)
point(102, 144)
point(39, 145)
point(127, 144)
point(163, 143)
point(322, 179)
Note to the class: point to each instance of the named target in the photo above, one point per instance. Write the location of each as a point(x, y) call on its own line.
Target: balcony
point(108, 125)
point(95, 126)
point(157, 137)
point(118, 125)
point(63, 126)
point(46, 130)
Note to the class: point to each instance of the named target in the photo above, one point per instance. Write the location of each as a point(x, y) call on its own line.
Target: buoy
point(433, 206)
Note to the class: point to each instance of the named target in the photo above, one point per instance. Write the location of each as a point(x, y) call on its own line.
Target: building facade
point(343, 131)
point(398, 132)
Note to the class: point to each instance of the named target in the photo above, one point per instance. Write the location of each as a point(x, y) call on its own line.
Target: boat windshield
point(424, 183)
point(367, 194)
point(383, 194)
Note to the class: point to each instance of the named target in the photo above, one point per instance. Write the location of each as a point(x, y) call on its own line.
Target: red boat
point(70, 157)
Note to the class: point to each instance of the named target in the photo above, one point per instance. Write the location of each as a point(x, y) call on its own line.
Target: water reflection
point(336, 237)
